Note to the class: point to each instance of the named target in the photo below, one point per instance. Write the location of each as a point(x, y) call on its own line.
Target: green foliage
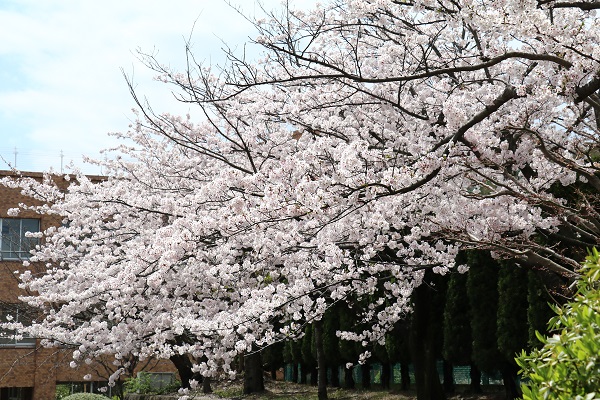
point(568, 364)
point(143, 384)
point(438, 285)
point(457, 321)
point(273, 356)
point(288, 355)
point(482, 290)
point(512, 309)
point(397, 343)
point(62, 391)
point(349, 350)
point(331, 325)
point(85, 396)
point(539, 311)
point(308, 355)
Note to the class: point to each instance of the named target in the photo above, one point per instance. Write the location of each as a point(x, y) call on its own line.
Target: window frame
point(22, 250)
point(9, 341)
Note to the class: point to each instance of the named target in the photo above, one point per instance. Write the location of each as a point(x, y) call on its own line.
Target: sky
point(61, 82)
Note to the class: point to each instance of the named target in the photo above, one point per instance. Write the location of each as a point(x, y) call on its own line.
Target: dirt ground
point(278, 390)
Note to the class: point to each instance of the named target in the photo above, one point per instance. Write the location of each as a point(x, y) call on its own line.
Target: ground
point(278, 390)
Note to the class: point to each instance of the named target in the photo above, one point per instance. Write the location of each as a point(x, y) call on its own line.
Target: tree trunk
point(365, 378)
point(427, 379)
point(314, 376)
point(448, 377)
point(206, 388)
point(386, 375)
point(303, 373)
point(321, 365)
point(349, 379)
point(404, 376)
point(183, 364)
point(295, 372)
point(475, 375)
point(240, 363)
point(335, 376)
point(509, 377)
point(253, 373)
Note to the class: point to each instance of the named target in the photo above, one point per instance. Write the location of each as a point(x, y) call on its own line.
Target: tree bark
point(295, 372)
point(349, 379)
point(321, 365)
point(253, 373)
point(314, 372)
point(448, 377)
point(386, 375)
point(509, 377)
point(183, 364)
point(427, 379)
point(206, 388)
point(404, 376)
point(365, 378)
point(303, 373)
point(475, 375)
point(335, 376)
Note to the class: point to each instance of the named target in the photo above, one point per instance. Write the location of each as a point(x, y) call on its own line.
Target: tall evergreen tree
point(482, 290)
point(512, 328)
point(457, 321)
point(457, 347)
point(308, 353)
point(424, 341)
point(538, 311)
point(349, 350)
point(398, 350)
point(331, 325)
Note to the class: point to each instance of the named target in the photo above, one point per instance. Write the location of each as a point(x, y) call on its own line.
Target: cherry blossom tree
point(418, 128)
point(372, 142)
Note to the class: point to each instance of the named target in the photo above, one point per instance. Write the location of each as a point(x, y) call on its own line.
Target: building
point(27, 370)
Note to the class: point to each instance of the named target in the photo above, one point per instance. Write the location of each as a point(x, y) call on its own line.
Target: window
point(16, 393)
point(15, 243)
point(157, 380)
point(12, 313)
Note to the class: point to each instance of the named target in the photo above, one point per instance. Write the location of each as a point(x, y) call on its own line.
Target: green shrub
point(62, 391)
point(85, 396)
point(143, 384)
point(568, 364)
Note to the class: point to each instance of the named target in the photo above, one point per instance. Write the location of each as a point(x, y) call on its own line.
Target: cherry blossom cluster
point(373, 141)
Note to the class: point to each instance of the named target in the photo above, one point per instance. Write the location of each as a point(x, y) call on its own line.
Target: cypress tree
point(349, 350)
point(457, 341)
point(293, 355)
point(398, 350)
point(331, 341)
point(512, 322)
point(425, 338)
point(538, 311)
point(482, 291)
point(308, 354)
point(273, 358)
point(457, 321)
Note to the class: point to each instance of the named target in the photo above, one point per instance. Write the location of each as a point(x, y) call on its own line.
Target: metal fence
point(461, 374)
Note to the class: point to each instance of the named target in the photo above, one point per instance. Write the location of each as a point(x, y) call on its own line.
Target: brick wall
point(38, 367)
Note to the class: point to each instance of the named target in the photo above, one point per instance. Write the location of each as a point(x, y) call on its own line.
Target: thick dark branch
point(583, 5)
point(588, 89)
point(535, 259)
point(508, 94)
